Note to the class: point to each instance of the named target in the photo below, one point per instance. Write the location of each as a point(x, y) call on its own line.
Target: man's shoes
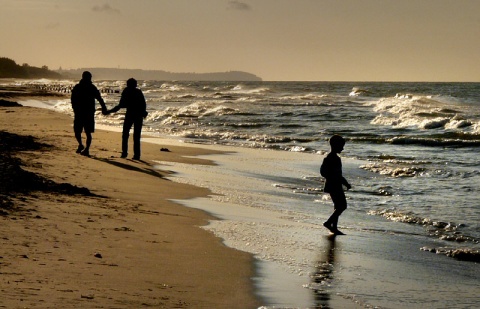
point(123, 156)
point(80, 148)
point(85, 153)
point(136, 158)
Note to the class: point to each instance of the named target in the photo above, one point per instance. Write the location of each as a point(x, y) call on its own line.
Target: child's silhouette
point(331, 169)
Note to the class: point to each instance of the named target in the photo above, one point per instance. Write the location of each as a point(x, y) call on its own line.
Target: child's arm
point(345, 183)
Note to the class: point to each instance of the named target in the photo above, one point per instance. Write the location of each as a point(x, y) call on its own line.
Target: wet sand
point(101, 231)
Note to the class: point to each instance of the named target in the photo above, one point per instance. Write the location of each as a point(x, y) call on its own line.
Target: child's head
point(336, 143)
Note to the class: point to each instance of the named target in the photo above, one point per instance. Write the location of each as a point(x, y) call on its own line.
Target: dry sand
point(125, 245)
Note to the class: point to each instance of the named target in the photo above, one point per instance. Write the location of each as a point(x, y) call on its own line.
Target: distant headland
point(10, 69)
point(121, 74)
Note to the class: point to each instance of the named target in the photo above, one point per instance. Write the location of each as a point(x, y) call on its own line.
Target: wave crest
point(462, 254)
point(447, 231)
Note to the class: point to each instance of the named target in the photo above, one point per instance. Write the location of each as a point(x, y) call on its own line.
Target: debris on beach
point(14, 179)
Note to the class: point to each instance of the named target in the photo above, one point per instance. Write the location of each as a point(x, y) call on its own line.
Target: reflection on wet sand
point(323, 278)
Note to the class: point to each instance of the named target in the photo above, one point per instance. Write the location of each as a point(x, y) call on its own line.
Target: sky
point(277, 40)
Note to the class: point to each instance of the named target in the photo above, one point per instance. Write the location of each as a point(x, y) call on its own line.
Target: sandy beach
point(101, 232)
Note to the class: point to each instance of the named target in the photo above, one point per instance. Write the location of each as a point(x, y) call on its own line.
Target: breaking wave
point(462, 254)
point(424, 113)
point(448, 231)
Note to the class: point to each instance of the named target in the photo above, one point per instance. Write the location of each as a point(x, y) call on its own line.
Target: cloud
point(238, 5)
point(106, 8)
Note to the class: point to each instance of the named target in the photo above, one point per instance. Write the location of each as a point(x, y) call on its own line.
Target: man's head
point(132, 83)
point(337, 142)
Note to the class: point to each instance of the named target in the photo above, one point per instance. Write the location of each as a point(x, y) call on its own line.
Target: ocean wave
point(393, 171)
point(171, 87)
point(433, 123)
point(301, 190)
point(244, 89)
point(303, 103)
point(422, 112)
point(425, 141)
point(462, 254)
point(246, 125)
point(271, 139)
point(447, 231)
point(197, 109)
point(291, 126)
point(304, 97)
point(398, 159)
point(422, 121)
point(359, 91)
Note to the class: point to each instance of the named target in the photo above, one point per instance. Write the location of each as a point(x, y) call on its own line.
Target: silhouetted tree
point(10, 69)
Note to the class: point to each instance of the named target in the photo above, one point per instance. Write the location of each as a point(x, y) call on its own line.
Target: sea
point(412, 157)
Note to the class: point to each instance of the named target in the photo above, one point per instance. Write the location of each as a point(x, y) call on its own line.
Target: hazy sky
point(319, 40)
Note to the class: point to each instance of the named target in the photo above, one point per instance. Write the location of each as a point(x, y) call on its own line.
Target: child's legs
point(333, 220)
point(340, 204)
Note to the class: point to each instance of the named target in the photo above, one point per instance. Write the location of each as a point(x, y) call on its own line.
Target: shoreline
point(82, 246)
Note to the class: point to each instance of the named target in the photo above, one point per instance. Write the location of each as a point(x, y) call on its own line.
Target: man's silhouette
point(83, 99)
point(133, 100)
point(331, 169)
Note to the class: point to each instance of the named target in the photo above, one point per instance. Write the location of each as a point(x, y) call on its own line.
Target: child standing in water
point(331, 169)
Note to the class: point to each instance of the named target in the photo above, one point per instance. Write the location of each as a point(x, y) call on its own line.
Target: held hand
point(348, 186)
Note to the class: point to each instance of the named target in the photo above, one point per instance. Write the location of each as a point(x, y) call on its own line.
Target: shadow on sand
point(149, 170)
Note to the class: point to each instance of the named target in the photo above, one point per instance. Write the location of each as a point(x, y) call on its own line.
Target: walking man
point(83, 99)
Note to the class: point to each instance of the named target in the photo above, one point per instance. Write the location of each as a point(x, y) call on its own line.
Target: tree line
point(10, 69)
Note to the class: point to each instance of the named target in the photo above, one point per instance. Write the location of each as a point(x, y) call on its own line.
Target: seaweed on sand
point(15, 181)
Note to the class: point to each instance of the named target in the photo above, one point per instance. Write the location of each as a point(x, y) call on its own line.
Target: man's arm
point(100, 100)
point(144, 103)
point(74, 98)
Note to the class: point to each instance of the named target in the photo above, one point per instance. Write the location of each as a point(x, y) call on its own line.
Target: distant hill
point(123, 74)
point(10, 69)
